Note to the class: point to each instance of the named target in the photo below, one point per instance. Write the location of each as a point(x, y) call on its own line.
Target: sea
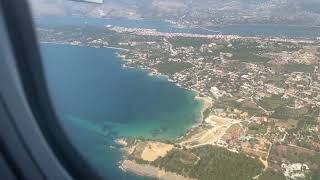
point(98, 100)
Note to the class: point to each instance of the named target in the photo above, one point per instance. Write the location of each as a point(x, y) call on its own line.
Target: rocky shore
point(150, 171)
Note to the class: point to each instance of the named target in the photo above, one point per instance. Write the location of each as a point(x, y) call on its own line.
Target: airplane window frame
point(24, 47)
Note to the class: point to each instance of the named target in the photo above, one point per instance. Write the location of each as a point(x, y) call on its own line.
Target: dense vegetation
point(246, 51)
point(210, 162)
point(185, 42)
point(273, 102)
point(287, 113)
point(171, 67)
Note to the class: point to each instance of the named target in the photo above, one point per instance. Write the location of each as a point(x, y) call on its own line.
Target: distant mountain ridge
point(193, 12)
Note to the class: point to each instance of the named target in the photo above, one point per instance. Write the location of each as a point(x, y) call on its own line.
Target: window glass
point(186, 89)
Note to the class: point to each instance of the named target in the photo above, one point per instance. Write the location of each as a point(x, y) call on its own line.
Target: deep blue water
point(98, 101)
point(243, 30)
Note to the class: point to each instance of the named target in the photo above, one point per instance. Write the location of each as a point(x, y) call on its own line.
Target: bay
point(99, 101)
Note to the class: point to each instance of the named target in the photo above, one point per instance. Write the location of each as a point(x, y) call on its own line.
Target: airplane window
point(206, 89)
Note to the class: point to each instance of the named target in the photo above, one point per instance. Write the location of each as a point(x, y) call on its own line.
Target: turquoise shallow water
point(98, 101)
